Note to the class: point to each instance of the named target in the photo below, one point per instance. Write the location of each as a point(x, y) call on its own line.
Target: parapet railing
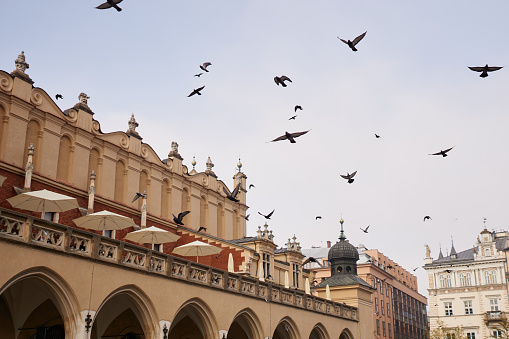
point(42, 233)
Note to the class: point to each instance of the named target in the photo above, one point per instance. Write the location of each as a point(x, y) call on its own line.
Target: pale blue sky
point(409, 82)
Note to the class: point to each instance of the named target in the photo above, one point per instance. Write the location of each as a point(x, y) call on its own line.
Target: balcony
point(492, 317)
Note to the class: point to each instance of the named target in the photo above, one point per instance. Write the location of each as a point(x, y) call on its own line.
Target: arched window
point(487, 279)
point(185, 200)
point(462, 279)
point(468, 279)
point(93, 165)
point(119, 181)
point(448, 281)
point(487, 251)
point(220, 221)
point(64, 159)
point(204, 209)
point(165, 199)
point(143, 187)
point(32, 137)
point(236, 224)
point(442, 281)
point(493, 277)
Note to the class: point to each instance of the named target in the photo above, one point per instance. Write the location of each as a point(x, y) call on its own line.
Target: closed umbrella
point(104, 220)
point(196, 248)
point(43, 201)
point(152, 235)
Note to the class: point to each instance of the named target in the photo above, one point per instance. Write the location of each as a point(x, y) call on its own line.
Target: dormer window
point(487, 252)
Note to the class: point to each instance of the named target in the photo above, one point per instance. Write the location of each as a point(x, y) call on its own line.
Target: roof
point(343, 280)
point(317, 253)
point(242, 240)
point(343, 250)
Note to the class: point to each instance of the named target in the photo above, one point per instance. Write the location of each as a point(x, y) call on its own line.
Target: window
point(497, 334)
point(156, 247)
point(383, 328)
point(389, 330)
point(378, 326)
point(109, 234)
point(50, 216)
point(374, 283)
point(442, 281)
point(266, 264)
point(487, 277)
point(382, 288)
point(448, 308)
point(487, 252)
point(376, 306)
point(295, 268)
point(493, 277)
point(382, 306)
point(450, 336)
point(448, 282)
point(462, 279)
point(468, 307)
point(388, 310)
point(470, 335)
point(468, 279)
point(493, 304)
point(386, 290)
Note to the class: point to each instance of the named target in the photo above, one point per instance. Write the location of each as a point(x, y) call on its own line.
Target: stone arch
point(37, 290)
point(64, 164)
point(166, 198)
point(120, 170)
point(346, 334)
point(220, 220)
point(245, 325)
point(195, 319)
point(34, 129)
point(286, 329)
point(319, 332)
point(125, 305)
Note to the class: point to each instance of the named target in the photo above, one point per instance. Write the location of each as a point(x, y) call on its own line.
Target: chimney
point(328, 243)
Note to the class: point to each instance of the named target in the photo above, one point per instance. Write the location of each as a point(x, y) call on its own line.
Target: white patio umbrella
point(43, 201)
point(231, 266)
point(2, 179)
point(104, 220)
point(197, 248)
point(152, 235)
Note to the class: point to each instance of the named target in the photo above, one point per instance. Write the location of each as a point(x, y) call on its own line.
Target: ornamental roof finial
point(21, 64)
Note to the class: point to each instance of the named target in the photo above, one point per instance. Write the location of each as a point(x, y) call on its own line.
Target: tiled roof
point(343, 280)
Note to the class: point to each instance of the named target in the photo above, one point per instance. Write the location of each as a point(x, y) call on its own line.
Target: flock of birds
point(283, 80)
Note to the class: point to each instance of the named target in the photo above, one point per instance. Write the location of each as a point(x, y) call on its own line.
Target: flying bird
point(389, 266)
point(139, 195)
point(318, 217)
point(178, 220)
point(377, 136)
point(365, 230)
point(355, 41)
point(247, 217)
point(442, 153)
point(59, 96)
point(485, 70)
point(196, 91)
point(427, 218)
point(205, 65)
point(298, 107)
point(251, 186)
point(290, 136)
point(281, 80)
point(198, 75)
point(349, 176)
point(233, 195)
point(448, 271)
point(313, 260)
point(109, 4)
point(415, 269)
point(268, 215)
point(202, 228)
point(293, 118)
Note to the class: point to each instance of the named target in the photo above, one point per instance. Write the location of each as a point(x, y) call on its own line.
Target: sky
point(408, 83)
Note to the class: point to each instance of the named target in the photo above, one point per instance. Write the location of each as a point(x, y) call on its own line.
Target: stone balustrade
point(33, 231)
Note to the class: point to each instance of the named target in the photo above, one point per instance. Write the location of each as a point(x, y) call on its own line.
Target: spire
point(239, 166)
point(440, 255)
point(453, 250)
point(342, 233)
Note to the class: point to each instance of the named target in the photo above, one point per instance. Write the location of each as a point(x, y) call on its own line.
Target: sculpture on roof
point(428, 251)
point(21, 64)
point(83, 98)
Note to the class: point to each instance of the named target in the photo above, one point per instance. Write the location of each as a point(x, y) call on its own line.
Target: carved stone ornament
point(174, 147)
point(21, 64)
point(83, 98)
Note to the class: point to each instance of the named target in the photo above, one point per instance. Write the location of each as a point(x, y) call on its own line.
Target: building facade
point(398, 310)
point(62, 281)
point(469, 288)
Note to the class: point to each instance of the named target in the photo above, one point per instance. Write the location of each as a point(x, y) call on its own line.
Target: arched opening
point(319, 332)
point(245, 325)
point(4, 124)
point(143, 186)
point(220, 221)
point(185, 202)
point(346, 334)
point(236, 224)
point(93, 165)
point(119, 181)
point(286, 329)
point(165, 199)
point(32, 137)
point(204, 212)
point(194, 320)
point(126, 313)
point(64, 159)
point(37, 303)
